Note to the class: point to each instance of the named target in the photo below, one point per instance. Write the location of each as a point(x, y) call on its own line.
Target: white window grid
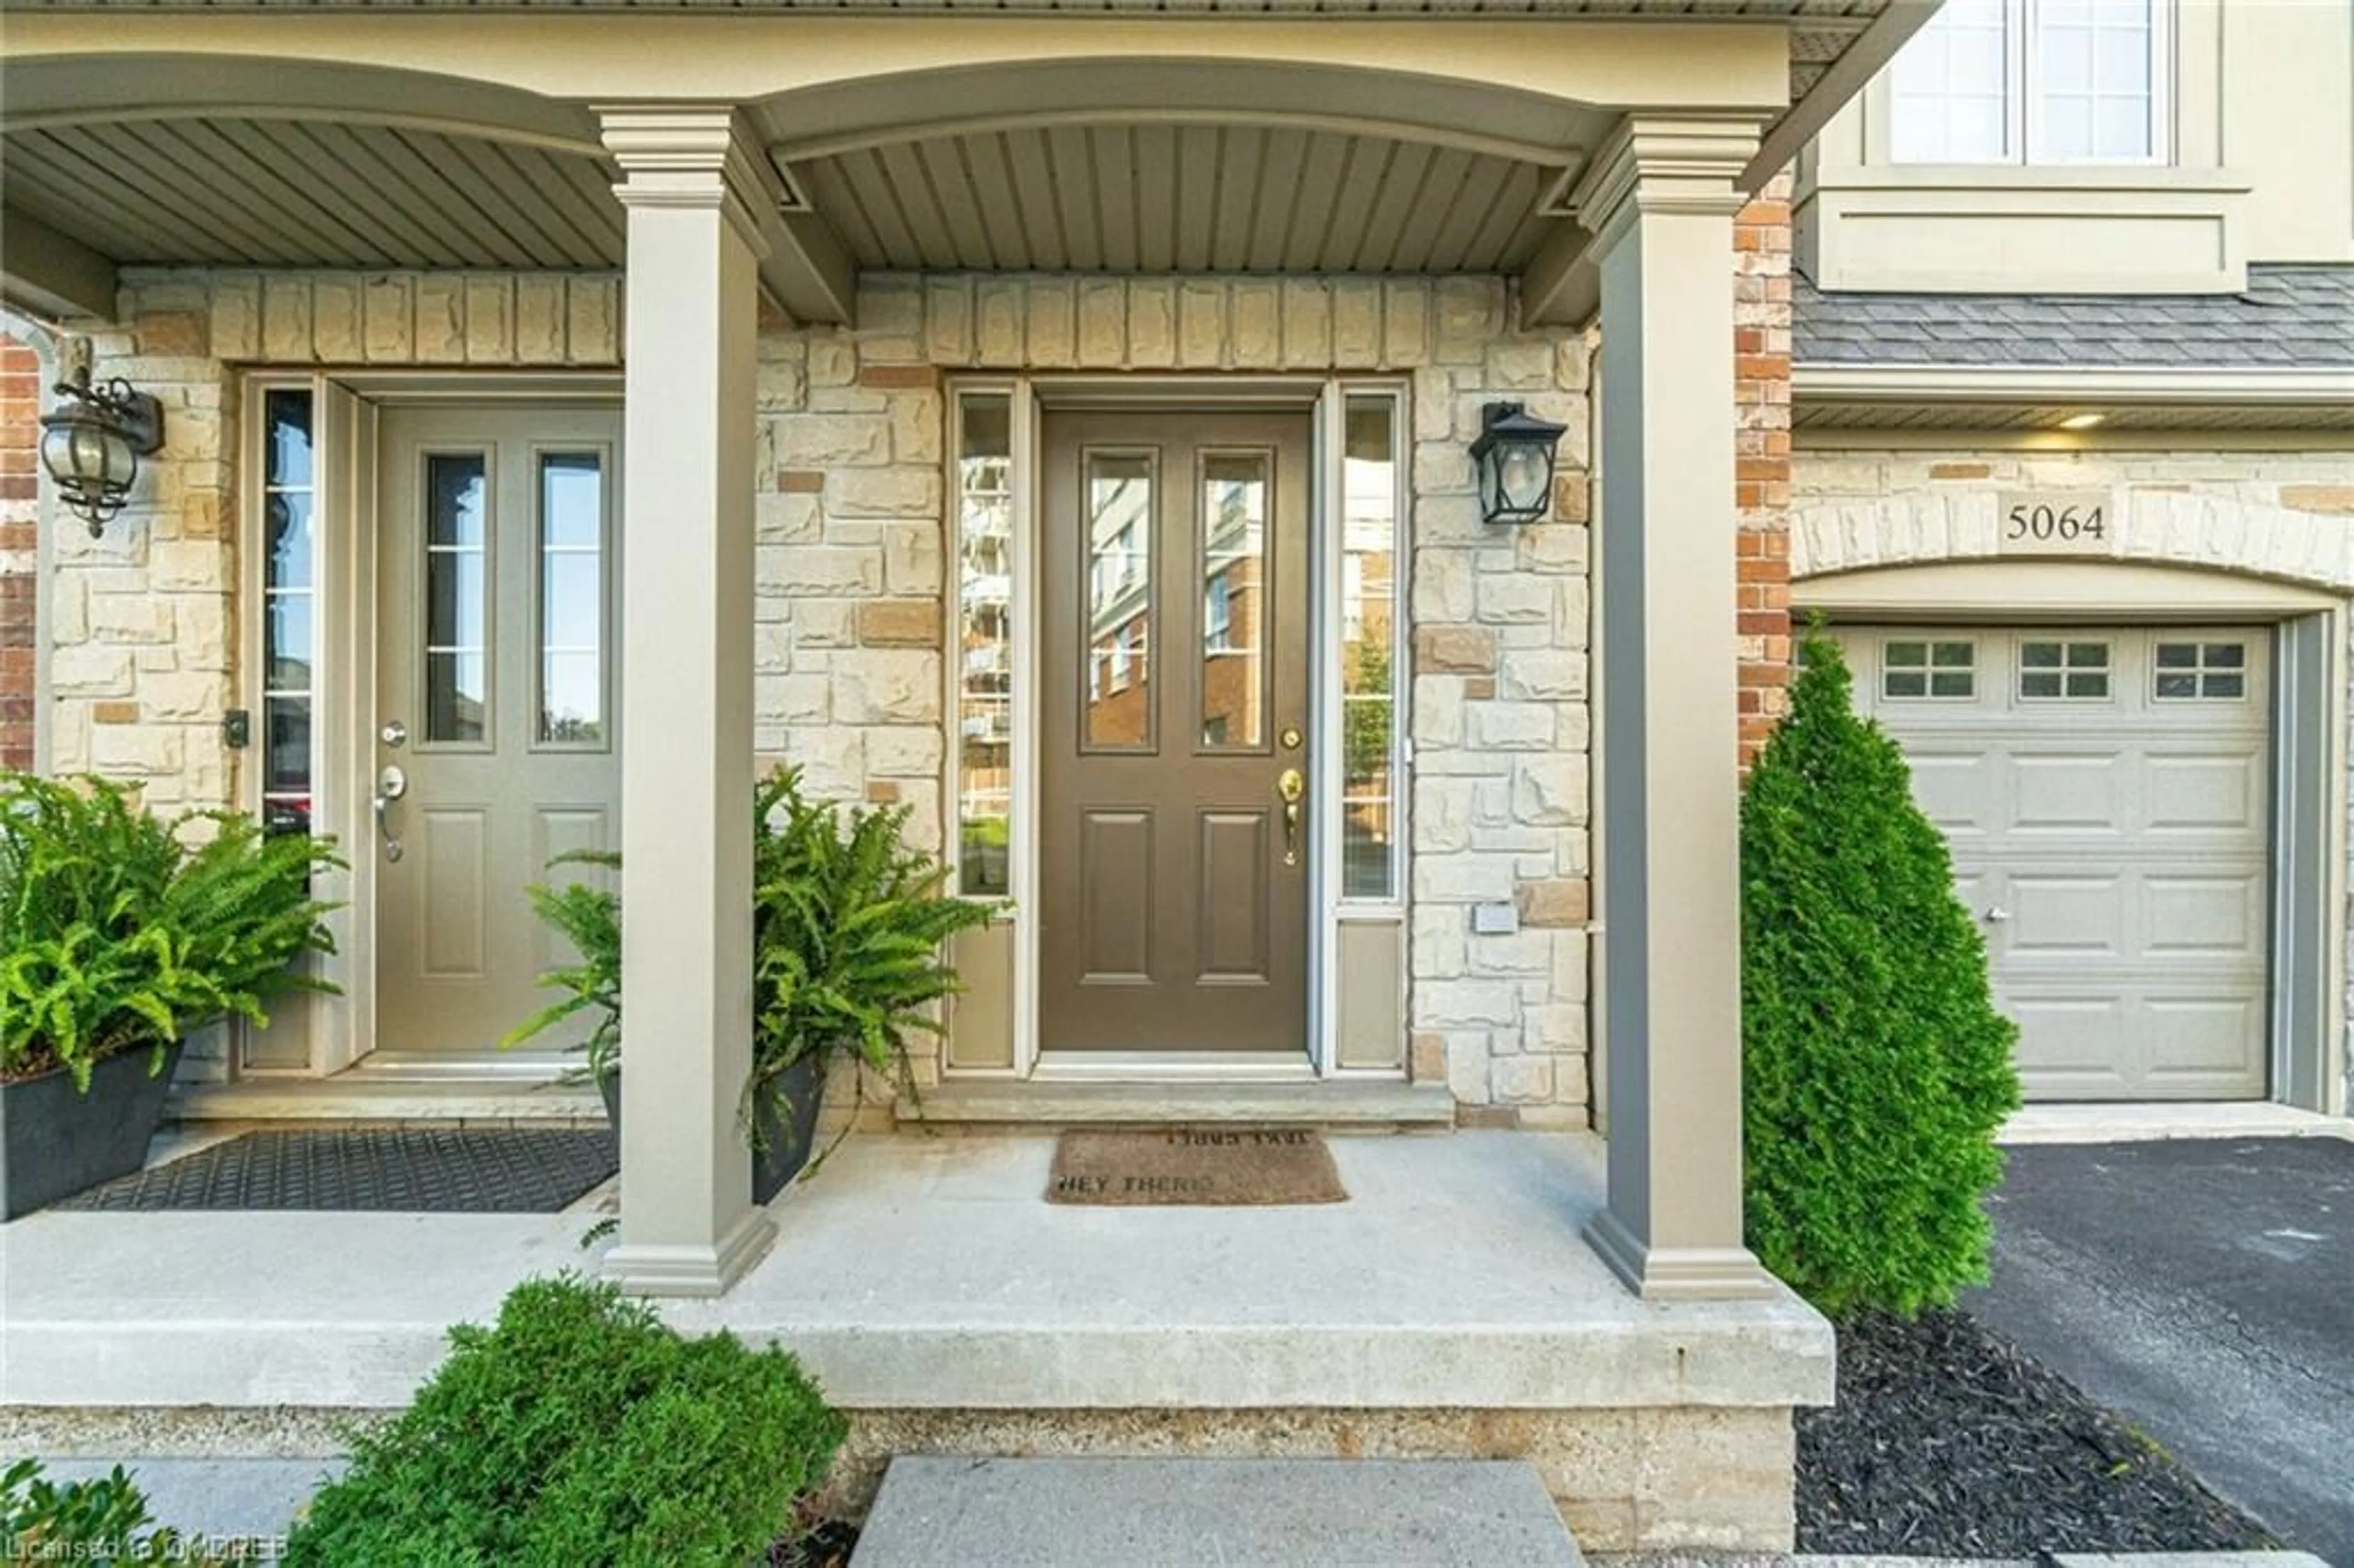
point(2030, 110)
point(2063, 669)
point(282, 586)
point(2200, 671)
point(1916, 669)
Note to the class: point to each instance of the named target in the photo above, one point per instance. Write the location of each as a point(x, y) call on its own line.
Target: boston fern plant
point(119, 928)
point(590, 917)
point(849, 926)
point(851, 950)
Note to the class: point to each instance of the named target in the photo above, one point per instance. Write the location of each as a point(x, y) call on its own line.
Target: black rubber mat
point(404, 1169)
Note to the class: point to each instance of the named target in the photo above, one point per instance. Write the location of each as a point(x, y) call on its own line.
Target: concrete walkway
point(216, 1499)
point(2205, 1291)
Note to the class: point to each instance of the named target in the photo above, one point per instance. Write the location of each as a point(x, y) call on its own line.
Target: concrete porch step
point(1239, 1513)
point(358, 1099)
point(999, 1104)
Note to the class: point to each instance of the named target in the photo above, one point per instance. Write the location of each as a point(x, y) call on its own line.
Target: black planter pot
point(786, 1132)
point(786, 1129)
point(54, 1141)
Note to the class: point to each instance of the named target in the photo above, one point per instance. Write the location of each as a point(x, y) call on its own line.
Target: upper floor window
point(2033, 81)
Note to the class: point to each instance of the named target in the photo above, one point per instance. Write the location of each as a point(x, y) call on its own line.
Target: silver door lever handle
point(1996, 915)
point(390, 786)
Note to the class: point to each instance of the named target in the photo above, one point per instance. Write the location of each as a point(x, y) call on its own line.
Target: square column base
point(1677, 1274)
point(663, 1269)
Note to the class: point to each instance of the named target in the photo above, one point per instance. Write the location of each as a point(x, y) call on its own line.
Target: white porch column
point(688, 1226)
point(1660, 202)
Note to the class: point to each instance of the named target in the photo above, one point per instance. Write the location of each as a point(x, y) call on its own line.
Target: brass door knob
point(1290, 787)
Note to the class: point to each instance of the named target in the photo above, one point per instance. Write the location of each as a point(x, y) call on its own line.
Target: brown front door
point(1173, 875)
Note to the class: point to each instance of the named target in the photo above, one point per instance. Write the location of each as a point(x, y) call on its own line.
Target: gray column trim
point(2307, 678)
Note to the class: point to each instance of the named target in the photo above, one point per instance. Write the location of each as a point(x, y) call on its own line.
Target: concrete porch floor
point(1451, 1305)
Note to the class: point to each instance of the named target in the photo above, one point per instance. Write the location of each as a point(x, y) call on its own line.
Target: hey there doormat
point(424, 1170)
point(1206, 1167)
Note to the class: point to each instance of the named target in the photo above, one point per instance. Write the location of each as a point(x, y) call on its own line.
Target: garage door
point(2105, 794)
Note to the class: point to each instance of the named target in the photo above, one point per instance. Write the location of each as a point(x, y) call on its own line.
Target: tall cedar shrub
point(1877, 1068)
point(580, 1430)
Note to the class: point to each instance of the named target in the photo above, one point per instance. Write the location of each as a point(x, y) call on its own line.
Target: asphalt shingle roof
point(2289, 317)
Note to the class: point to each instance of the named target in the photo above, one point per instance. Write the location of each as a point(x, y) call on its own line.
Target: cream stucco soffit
point(1847, 404)
point(669, 152)
point(1652, 164)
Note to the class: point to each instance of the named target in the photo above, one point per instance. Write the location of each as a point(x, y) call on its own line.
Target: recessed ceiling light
point(2083, 421)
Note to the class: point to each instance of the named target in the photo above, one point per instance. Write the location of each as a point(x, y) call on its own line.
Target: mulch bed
point(1946, 1441)
point(829, 1545)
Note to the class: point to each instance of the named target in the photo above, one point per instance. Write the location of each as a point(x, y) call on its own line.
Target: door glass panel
point(985, 644)
point(1119, 629)
point(457, 684)
point(1369, 553)
point(288, 583)
point(571, 599)
point(1234, 499)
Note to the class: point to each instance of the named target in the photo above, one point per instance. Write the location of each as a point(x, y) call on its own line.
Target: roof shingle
point(2289, 317)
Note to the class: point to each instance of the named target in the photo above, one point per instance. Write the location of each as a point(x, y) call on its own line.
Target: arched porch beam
point(752, 59)
point(1561, 158)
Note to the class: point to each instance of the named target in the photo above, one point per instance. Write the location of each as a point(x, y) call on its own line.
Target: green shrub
point(1876, 1067)
point(853, 929)
point(103, 1520)
point(580, 1431)
point(116, 933)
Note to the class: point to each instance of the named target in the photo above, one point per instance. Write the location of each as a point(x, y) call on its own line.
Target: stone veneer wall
point(853, 576)
point(2287, 515)
point(20, 432)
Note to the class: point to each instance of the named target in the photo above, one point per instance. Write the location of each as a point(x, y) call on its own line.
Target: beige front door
point(1173, 843)
point(494, 719)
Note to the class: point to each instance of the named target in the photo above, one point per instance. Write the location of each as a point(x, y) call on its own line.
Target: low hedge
point(579, 1430)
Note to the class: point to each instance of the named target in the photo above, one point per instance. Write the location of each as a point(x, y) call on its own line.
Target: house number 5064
point(2052, 522)
point(2062, 523)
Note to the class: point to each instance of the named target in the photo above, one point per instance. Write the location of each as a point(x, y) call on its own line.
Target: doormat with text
point(1207, 1167)
point(424, 1170)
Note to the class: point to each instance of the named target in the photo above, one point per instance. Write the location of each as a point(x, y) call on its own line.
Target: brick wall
point(20, 403)
point(1761, 333)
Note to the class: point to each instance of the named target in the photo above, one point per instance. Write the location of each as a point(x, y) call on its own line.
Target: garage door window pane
point(2078, 670)
point(2188, 671)
point(1936, 669)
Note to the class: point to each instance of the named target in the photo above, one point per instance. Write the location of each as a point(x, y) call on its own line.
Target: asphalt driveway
point(2205, 1291)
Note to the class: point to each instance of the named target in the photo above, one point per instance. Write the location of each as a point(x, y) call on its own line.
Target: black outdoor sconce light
point(92, 441)
point(1514, 459)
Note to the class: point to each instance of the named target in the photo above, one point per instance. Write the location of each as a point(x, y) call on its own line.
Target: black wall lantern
point(1514, 459)
point(92, 441)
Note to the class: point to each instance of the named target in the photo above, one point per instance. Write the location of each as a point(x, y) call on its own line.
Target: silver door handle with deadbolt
point(391, 784)
point(1996, 915)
